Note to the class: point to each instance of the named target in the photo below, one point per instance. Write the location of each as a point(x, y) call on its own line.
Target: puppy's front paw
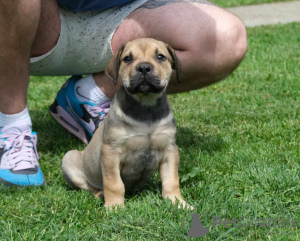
point(113, 206)
point(180, 202)
point(185, 205)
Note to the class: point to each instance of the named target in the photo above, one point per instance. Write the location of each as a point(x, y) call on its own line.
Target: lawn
point(234, 3)
point(239, 147)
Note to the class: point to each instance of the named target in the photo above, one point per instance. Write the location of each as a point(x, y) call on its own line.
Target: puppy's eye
point(161, 57)
point(127, 59)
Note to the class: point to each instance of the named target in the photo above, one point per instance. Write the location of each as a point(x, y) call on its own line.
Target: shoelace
point(20, 147)
point(100, 111)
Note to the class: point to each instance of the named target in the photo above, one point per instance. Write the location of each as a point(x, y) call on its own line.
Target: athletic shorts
point(84, 44)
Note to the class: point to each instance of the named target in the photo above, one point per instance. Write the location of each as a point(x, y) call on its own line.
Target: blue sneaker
point(80, 118)
point(18, 157)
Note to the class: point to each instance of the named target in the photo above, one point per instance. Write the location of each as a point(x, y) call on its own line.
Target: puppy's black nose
point(144, 69)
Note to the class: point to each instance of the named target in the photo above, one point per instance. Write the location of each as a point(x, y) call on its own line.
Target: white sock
point(23, 116)
point(86, 90)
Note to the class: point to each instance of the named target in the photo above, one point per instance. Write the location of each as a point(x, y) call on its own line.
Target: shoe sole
point(5, 183)
point(66, 120)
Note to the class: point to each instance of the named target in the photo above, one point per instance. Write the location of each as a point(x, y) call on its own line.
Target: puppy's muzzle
point(144, 81)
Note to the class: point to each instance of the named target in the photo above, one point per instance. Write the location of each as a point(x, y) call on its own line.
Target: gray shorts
point(84, 44)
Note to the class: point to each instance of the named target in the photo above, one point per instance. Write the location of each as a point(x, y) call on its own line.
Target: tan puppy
point(138, 135)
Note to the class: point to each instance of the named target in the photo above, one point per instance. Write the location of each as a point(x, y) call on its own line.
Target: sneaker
point(80, 118)
point(18, 157)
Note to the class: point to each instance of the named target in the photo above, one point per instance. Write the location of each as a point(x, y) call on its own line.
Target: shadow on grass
point(53, 137)
point(187, 138)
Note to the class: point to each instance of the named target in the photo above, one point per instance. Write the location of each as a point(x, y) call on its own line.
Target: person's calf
point(18, 24)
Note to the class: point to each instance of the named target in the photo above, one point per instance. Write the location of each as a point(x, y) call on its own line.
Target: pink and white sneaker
point(18, 156)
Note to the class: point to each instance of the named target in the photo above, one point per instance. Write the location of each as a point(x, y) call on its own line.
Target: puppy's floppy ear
point(175, 62)
point(113, 66)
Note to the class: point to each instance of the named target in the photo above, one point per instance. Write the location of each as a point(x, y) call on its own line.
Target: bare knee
point(233, 45)
point(230, 46)
point(213, 57)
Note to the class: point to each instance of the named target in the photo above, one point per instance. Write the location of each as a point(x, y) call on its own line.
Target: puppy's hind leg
point(72, 170)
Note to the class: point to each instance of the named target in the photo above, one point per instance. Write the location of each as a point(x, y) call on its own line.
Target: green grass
point(234, 3)
point(239, 147)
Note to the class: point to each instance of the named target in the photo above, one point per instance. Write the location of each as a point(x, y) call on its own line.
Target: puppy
point(138, 135)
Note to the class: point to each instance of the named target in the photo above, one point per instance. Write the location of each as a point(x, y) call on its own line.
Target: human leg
point(17, 36)
point(22, 33)
point(209, 41)
point(20, 23)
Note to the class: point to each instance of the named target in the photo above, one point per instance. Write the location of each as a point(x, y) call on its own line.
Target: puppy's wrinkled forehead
point(143, 50)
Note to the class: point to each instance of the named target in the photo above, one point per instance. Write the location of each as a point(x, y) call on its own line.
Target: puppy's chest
point(143, 148)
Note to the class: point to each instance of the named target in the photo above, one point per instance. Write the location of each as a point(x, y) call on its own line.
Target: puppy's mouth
point(145, 85)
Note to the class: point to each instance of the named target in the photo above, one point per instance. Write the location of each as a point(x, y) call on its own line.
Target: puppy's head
point(144, 65)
